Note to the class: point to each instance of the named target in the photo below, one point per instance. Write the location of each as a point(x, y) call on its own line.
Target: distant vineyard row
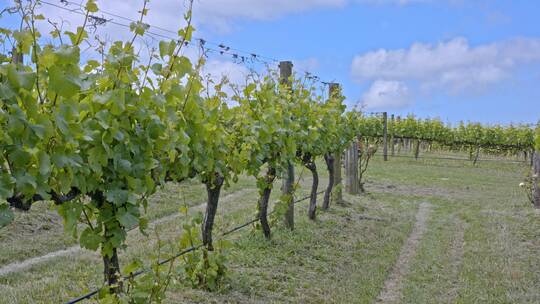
point(465, 135)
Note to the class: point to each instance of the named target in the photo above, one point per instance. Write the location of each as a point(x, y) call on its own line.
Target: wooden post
point(392, 138)
point(417, 149)
point(406, 145)
point(347, 160)
point(337, 192)
point(536, 179)
point(398, 120)
point(285, 72)
point(351, 168)
point(385, 136)
point(477, 155)
point(354, 167)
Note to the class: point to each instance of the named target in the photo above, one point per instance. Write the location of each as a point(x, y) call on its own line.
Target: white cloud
point(399, 2)
point(261, 9)
point(220, 12)
point(167, 14)
point(453, 65)
point(162, 13)
point(235, 73)
point(386, 94)
point(309, 64)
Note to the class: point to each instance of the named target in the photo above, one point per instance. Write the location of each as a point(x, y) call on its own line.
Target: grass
point(40, 230)
point(339, 258)
point(481, 244)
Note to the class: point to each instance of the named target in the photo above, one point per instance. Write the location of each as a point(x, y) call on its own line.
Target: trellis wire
point(222, 49)
point(181, 253)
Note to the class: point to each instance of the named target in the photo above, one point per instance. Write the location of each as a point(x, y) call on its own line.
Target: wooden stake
point(417, 149)
point(392, 139)
point(351, 168)
point(285, 72)
point(337, 196)
point(536, 179)
point(385, 136)
point(401, 143)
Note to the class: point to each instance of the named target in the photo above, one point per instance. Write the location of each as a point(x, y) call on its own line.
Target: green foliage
point(494, 139)
point(206, 269)
point(280, 208)
point(338, 129)
point(112, 131)
point(263, 124)
point(201, 268)
point(148, 287)
point(102, 128)
point(336, 190)
point(6, 215)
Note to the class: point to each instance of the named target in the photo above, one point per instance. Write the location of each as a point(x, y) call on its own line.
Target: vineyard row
point(98, 137)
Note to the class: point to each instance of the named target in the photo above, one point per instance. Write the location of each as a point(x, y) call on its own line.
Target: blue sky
point(333, 36)
point(453, 59)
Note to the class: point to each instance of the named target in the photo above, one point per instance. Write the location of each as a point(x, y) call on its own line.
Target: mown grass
point(40, 230)
point(481, 244)
point(340, 258)
point(498, 230)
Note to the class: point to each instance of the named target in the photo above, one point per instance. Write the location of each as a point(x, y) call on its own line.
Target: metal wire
point(181, 253)
point(234, 53)
point(220, 45)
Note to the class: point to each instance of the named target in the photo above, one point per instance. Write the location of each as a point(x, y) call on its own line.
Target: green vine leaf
point(90, 239)
point(6, 215)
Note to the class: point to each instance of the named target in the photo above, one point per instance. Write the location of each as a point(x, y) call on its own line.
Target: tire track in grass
point(25, 264)
point(456, 260)
point(391, 292)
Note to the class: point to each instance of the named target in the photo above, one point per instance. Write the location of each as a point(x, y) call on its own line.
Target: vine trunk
point(329, 158)
point(213, 188)
point(264, 199)
point(313, 196)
